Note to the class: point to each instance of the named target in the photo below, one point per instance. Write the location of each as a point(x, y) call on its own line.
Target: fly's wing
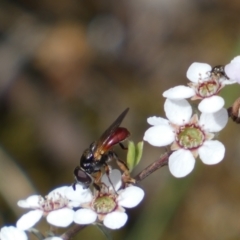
point(103, 140)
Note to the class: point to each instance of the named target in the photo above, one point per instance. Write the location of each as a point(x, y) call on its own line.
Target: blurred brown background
point(69, 68)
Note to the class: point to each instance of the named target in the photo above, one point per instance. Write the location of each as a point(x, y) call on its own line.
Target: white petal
point(61, 217)
point(12, 233)
point(29, 219)
point(179, 92)
point(115, 220)
point(157, 121)
point(212, 152)
point(236, 59)
point(116, 179)
point(57, 191)
point(130, 197)
point(85, 216)
point(225, 81)
point(178, 111)
point(30, 202)
point(211, 104)
point(232, 70)
point(181, 163)
point(78, 196)
point(214, 122)
point(159, 136)
point(198, 71)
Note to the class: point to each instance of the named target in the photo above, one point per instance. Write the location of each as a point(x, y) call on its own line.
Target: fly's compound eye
point(82, 177)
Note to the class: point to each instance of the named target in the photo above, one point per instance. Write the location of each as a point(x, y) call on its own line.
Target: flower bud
point(234, 111)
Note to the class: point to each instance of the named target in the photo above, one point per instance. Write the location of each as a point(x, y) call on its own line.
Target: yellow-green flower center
point(104, 205)
point(209, 88)
point(190, 137)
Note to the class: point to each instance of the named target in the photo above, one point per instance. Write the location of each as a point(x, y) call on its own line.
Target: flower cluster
point(64, 205)
point(192, 135)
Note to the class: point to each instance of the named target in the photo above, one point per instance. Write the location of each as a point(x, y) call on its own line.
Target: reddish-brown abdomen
point(116, 137)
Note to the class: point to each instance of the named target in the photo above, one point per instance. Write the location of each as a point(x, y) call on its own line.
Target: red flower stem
point(72, 231)
point(162, 161)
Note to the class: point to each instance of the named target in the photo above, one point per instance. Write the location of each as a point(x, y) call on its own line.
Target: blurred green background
point(69, 68)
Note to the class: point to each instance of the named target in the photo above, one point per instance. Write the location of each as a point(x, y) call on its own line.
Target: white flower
point(12, 233)
point(108, 206)
point(189, 136)
point(205, 85)
point(56, 207)
point(233, 69)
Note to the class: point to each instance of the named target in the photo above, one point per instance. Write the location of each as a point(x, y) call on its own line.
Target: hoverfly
point(95, 158)
point(219, 71)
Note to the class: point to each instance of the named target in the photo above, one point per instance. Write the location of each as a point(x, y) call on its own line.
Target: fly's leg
point(126, 174)
point(97, 180)
point(126, 178)
point(107, 171)
point(122, 146)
